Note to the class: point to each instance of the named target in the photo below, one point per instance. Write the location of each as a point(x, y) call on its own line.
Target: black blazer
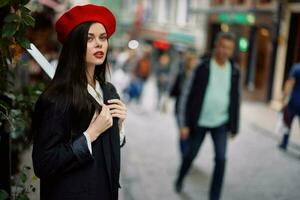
point(197, 92)
point(61, 158)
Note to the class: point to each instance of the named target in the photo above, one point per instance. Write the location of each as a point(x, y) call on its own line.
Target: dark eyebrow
point(102, 34)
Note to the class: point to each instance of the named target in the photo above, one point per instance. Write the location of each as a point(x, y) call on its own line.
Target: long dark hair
point(69, 85)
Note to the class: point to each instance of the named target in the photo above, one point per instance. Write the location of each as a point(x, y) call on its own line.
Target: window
point(265, 1)
point(218, 2)
point(238, 2)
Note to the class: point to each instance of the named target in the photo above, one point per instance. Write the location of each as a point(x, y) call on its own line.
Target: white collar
point(96, 93)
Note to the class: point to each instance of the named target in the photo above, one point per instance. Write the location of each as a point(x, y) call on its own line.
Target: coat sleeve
point(53, 152)
point(175, 89)
point(185, 98)
point(236, 98)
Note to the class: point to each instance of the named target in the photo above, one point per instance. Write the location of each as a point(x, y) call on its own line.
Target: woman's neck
point(90, 70)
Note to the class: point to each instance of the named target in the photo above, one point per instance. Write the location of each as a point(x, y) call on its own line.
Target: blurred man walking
point(210, 103)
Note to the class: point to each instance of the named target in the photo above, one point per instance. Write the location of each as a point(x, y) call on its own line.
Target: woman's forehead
point(97, 28)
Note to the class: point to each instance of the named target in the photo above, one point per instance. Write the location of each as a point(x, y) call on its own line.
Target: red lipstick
point(99, 54)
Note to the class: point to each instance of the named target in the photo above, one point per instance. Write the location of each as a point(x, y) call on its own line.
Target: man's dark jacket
point(197, 93)
point(61, 158)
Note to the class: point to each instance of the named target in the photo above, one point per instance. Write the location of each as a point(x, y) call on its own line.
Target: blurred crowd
point(147, 75)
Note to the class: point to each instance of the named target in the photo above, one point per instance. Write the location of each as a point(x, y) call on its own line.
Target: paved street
point(256, 169)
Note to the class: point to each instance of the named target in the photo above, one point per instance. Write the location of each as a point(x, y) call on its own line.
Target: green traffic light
point(243, 44)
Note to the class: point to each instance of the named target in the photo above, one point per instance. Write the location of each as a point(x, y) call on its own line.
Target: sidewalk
point(256, 168)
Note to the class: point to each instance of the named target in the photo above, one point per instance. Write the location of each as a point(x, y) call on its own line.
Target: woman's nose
point(98, 43)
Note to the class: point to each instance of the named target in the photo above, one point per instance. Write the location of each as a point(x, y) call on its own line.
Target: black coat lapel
point(111, 142)
point(106, 135)
point(106, 141)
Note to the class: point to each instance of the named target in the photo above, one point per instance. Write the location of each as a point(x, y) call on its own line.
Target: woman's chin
point(98, 62)
point(95, 61)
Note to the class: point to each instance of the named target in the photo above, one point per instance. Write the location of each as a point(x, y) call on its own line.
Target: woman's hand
point(118, 109)
point(99, 123)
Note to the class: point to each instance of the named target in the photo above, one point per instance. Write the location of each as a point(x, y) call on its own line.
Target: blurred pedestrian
point(210, 103)
point(291, 100)
point(185, 70)
point(78, 120)
point(141, 74)
point(143, 69)
point(163, 77)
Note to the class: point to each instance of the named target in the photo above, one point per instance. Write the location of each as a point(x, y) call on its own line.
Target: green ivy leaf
point(23, 177)
point(3, 195)
point(23, 197)
point(34, 178)
point(3, 3)
point(28, 20)
point(24, 10)
point(3, 106)
point(9, 29)
point(3, 43)
point(24, 42)
point(11, 18)
point(24, 2)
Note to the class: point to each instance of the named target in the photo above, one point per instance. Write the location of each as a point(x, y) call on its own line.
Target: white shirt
point(97, 94)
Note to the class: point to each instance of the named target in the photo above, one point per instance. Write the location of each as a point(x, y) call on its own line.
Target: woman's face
point(97, 44)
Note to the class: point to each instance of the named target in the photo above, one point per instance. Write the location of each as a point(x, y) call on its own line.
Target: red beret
point(81, 14)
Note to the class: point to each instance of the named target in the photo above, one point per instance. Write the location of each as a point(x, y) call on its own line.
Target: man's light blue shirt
point(216, 101)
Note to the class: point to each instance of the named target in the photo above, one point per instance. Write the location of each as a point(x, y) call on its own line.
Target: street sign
point(237, 18)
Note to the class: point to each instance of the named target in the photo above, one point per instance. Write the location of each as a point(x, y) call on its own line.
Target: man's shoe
point(282, 146)
point(178, 186)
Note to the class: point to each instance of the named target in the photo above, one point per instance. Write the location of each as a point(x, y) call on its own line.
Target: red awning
point(161, 44)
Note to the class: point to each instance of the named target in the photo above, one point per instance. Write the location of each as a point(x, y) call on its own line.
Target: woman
point(79, 118)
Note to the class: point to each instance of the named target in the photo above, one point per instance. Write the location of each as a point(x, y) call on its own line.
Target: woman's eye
point(103, 38)
point(90, 39)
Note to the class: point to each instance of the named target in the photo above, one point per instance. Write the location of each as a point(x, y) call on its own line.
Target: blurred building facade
point(170, 20)
point(268, 34)
point(255, 24)
point(288, 47)
point(166, 21)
